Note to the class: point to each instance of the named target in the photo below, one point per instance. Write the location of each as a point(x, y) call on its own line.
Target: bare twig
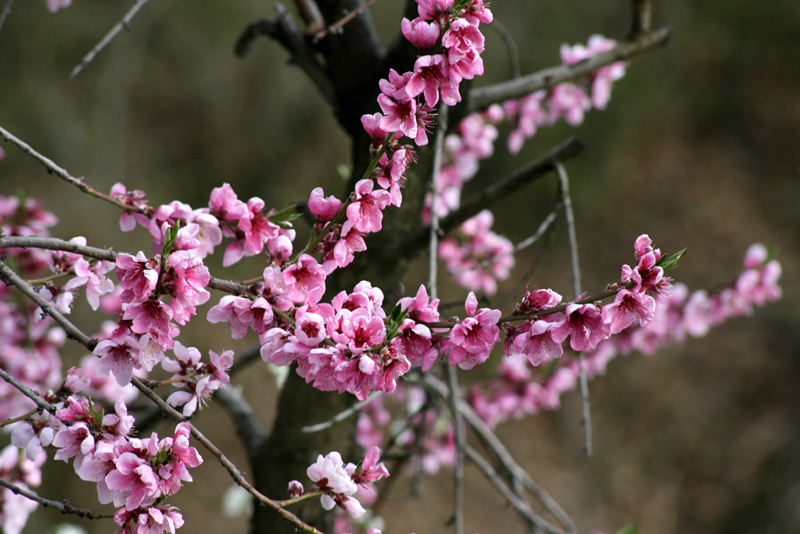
point(520, 505)
point(309, 11)
point(122, 24)
point(28, 392)
point(63, 174)
point(642, 15)
point(576, 280)
point(341, 416)
point(501, 453)
point(6, 12)
point(62, 506)
point(483, 97)
point(492, 195)
point(525, 243)
point(511, 47)
point(433, 231)
point(336, 27)
point(11, 278)
point(461, 444)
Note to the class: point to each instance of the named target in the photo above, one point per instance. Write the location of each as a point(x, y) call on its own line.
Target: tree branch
point(251, 433)
point(62, 506)
point(284, 30)
point(501, 454)
point(484, 97)
point(6, 12)
point(576, 280)
point(52, 243)
point(520, 505)
point(492, 195)
point(123, 24)
point(28, 392)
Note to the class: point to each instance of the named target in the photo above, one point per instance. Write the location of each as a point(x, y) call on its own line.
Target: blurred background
point(699, 148)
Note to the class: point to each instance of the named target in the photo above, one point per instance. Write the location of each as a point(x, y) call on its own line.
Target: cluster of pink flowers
point(525, 386)
point(339, 482)
point(449, 42)
point(135, 474)
point(23, 473)
point(475, 257)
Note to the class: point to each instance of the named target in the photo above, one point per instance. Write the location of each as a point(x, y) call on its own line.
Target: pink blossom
point(305, 280)
point(152, 520)
point(323, 208)
point(583, 325)
point(534, 340)
point(365, 212)
point(199, 394)
point(137, 275)
point(474, 337)
point(93, 277)
point(370, 470)
point(429, 74)
point(569, 101)
point(420, 33)
point(55, 5)
point(351, 241)
point(118, 357)
point(330, 473)
point(133, 480)
point(628, 306)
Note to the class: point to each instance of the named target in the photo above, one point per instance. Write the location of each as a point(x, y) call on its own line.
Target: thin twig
point(311, 15)
point(62, 506)
point(452, 374)
point(511, 46)
point(336, 27)
point(6, 12)
point(123, 24)
point(576, 280)
point(52, 243)
point(28, 392)
point(64, 175)
point(341, 416)
point(433, 230)
point(642, 16)
point(521, 506)
point(10, 277)
point(484, 97)
point(492, 195)
point(515, 291)
point(501, 453)
point(525, 243)
point(284, 30)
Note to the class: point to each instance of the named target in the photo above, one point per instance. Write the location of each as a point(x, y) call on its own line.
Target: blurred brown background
point(700, 148)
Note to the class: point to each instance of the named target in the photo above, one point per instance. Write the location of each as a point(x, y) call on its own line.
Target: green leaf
point(395, 319)
point(633, 528)
point(284, 216)
point(169, 239)
point(669, 263)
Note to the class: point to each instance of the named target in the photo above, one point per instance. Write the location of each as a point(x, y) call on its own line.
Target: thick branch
point(284, 30)
point(247, 424)
point(492, 195)
point(484, 97)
